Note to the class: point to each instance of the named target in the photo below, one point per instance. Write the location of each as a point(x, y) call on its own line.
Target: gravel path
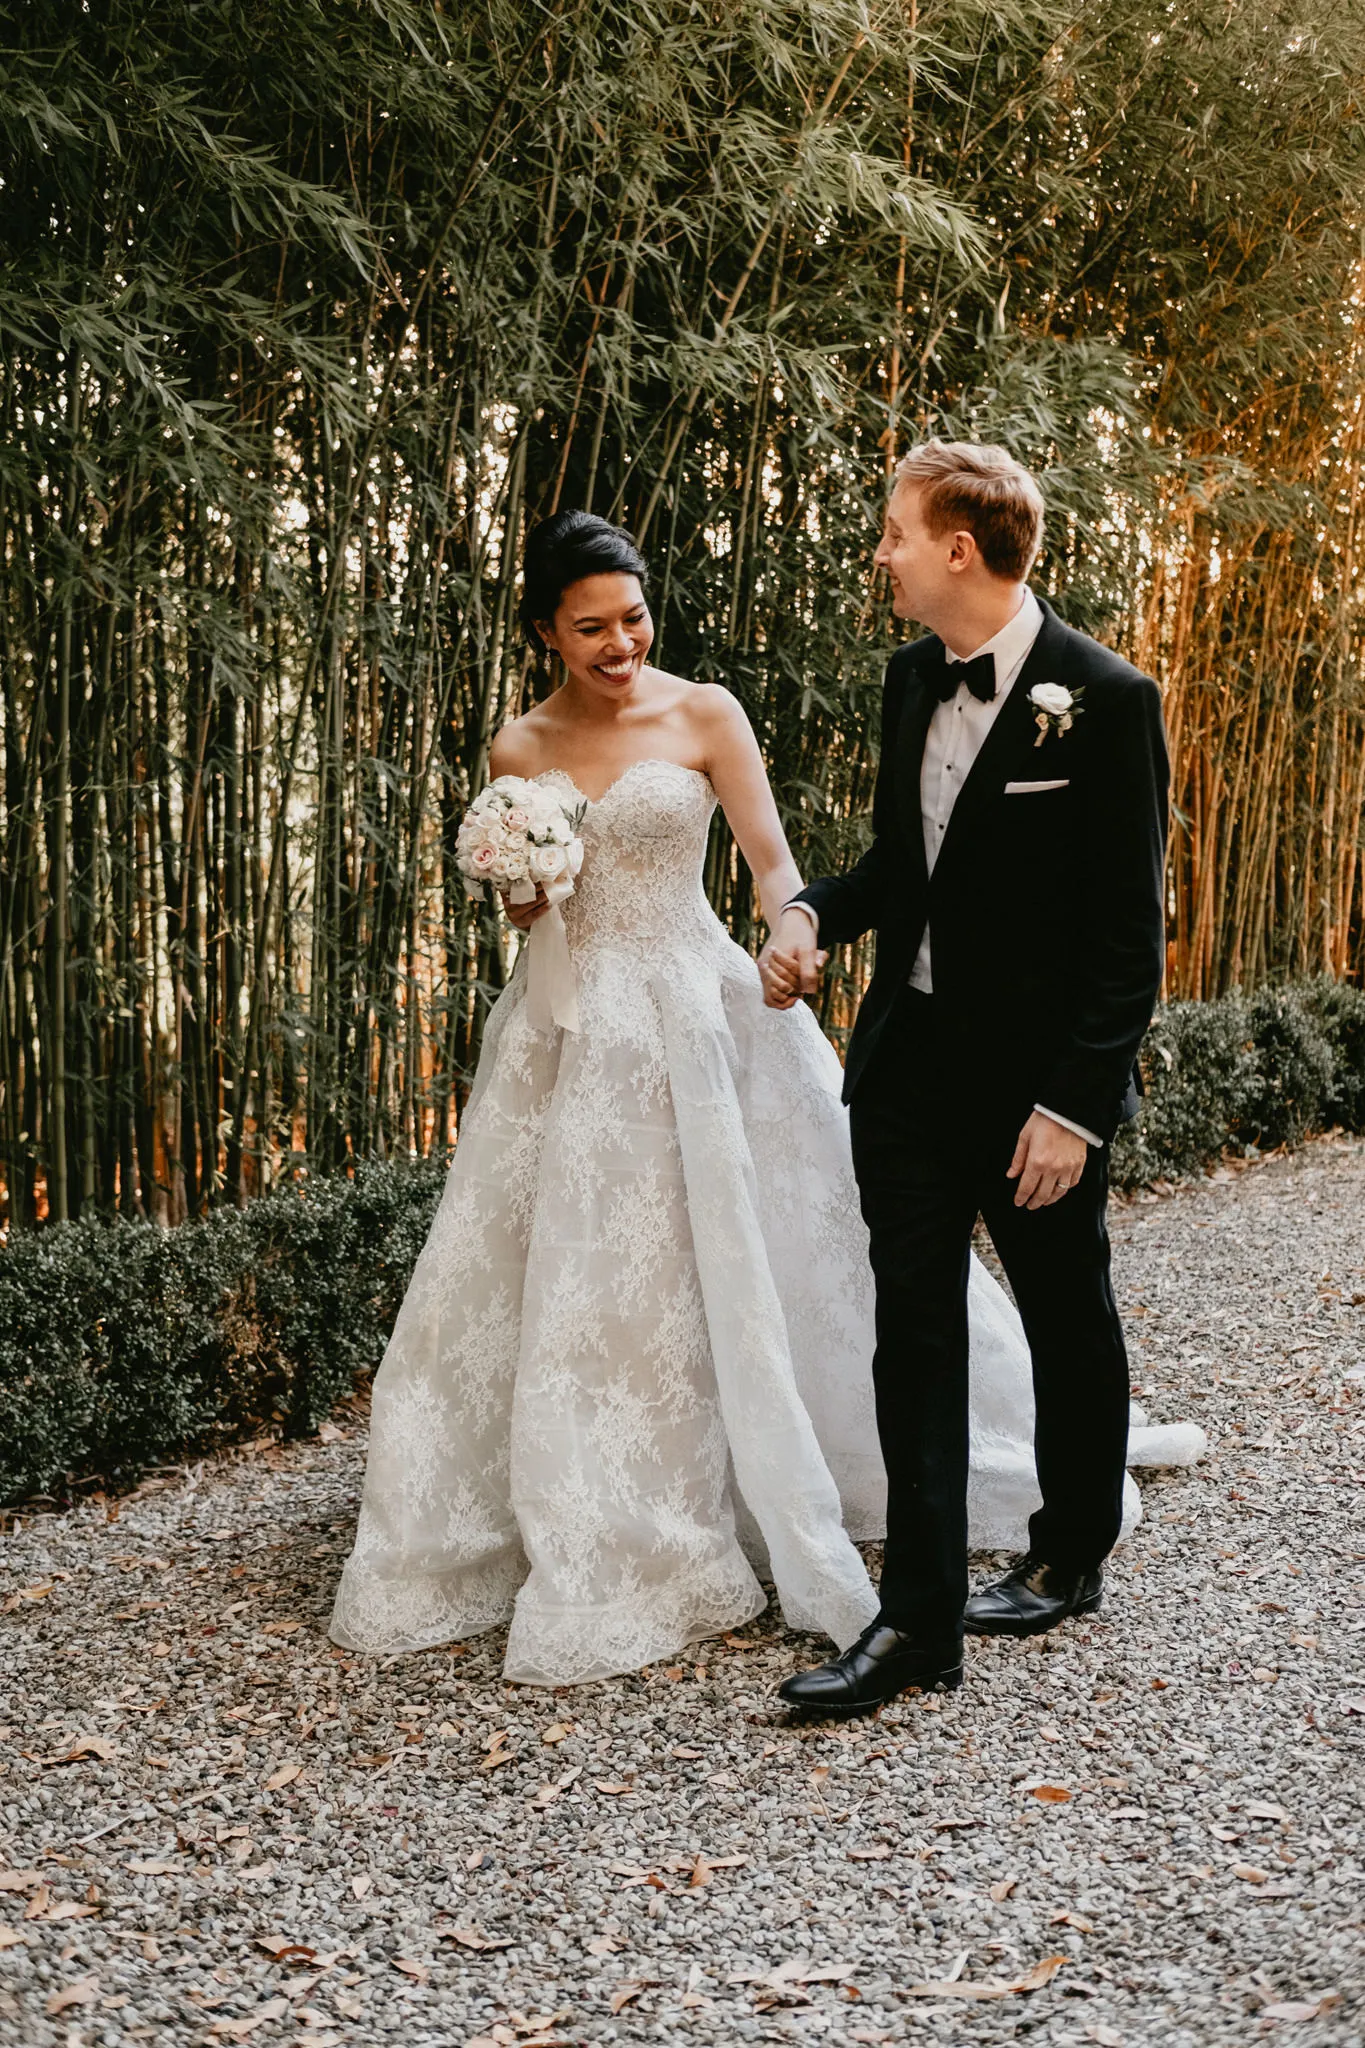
point(214, 1827)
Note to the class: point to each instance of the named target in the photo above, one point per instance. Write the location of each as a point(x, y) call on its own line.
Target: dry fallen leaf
point(548, 1794)
point(1250, 1873)
point(1064, 1918)
point(86, 1746)
point(1296, 2009)
point(1104, 2036)
point(472, 1937)
point(623, 1996)
point(10, 1937)
point(285, 1775)
point(953, 1987)
point(1056, 1793)
point(279, 1946)
point(237, 2030)
point(556, 1732)
point(876, 1852)
point(612, 1791)
point(604, 1945)
point(417, 1971)
point(1261, 1809)
point(152, 1866)
point(20, 1880)
point(688, 1754)
point(69, 1910)
point(360, 1885)
point(1002, 1888)
point(82, 1991)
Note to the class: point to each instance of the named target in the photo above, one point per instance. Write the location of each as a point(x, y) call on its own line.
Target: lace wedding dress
point(633, 1367)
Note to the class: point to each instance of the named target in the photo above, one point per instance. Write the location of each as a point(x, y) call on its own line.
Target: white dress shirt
point(957, 732)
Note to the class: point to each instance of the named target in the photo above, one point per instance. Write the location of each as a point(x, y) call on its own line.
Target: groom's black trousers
point(934, 1130)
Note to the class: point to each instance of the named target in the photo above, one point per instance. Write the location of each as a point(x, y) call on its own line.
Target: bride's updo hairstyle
point(562, 551)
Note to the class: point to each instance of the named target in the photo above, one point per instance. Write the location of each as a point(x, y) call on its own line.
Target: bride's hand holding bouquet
point(522, 839)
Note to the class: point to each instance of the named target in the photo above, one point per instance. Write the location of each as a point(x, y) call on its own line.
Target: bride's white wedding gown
point(634, 1361)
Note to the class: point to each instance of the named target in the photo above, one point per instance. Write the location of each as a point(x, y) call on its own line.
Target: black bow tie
point(978, 674)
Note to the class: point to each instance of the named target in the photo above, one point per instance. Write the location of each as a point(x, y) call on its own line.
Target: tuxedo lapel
point(1009, 740)
point(919, 708)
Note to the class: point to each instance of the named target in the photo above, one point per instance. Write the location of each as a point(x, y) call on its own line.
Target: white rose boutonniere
point(1056, 708)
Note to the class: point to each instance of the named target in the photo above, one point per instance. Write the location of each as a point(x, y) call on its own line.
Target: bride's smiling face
point(602, 632)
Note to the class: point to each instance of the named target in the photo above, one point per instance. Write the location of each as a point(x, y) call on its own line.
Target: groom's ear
point(963, 551)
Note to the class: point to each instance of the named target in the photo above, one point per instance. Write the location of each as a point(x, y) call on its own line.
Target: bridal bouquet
point(518, 836)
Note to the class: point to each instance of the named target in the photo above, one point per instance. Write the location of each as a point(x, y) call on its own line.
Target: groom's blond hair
point(980, 489)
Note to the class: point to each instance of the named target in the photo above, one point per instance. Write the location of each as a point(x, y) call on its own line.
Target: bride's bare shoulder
point(516, 746)
point(710, 707)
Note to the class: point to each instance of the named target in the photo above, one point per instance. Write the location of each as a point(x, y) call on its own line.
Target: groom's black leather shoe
point(882, 1663)
point(1031, 1599)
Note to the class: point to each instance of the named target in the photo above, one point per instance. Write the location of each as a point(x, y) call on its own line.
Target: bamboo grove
point(307, 311)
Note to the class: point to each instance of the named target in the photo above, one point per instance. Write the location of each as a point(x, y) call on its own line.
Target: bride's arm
point(740, 781)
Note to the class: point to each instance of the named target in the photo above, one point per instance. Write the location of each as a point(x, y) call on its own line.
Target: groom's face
point(920, 566)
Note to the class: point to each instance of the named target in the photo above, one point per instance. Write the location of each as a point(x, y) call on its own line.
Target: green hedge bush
point(122, 1345)
point(1244, 1073)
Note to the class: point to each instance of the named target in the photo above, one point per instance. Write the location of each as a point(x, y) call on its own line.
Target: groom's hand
point(1048, 1160)
point(790, 963)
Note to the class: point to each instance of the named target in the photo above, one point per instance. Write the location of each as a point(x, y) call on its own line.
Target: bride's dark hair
point(564, 550)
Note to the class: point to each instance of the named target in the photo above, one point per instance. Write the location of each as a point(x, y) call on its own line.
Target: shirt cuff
point(810, 911)
point(1067, 1125)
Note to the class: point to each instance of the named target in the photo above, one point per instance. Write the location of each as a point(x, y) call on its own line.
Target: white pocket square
point(1034, 788)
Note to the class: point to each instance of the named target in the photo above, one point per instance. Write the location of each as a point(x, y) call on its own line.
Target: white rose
point(516, 864)
point(560, 830)
point(1052, 698)
point(547, 863)
point(574, 854)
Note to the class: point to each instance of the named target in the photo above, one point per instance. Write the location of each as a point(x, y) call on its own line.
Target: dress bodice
point(644, 852)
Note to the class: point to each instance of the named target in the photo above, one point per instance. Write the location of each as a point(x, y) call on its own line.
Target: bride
point(633, 1367)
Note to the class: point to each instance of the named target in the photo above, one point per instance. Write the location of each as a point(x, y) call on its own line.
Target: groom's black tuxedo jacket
point(1044, 907)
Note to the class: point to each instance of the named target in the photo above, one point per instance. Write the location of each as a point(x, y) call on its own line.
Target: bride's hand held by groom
point(790, 963)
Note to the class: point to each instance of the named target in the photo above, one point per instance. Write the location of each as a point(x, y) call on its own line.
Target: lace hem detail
point(419, 1611)
point(575, 1645)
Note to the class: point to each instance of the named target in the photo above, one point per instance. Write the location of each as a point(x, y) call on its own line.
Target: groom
point(1014, 882)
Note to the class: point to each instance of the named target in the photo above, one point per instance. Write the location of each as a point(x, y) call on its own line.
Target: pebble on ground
point(1145, 1829)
